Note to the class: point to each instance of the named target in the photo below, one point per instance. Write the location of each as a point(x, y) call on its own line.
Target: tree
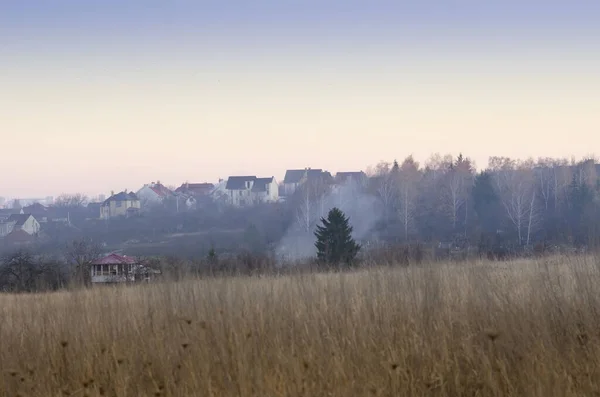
point(457, 185)
point(335, 244)
point(515, 182)
point(81, 254)
point(76, 200)
point(408, 179)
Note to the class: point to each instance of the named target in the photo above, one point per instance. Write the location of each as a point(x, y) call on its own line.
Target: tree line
point(512, 203)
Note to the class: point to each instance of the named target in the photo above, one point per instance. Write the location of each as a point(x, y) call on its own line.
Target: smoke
point(362, 209)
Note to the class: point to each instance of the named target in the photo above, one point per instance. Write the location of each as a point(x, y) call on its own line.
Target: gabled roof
point(343, 176)
point(260, 184)
point(195, 188)
point(6, 213)
point(238, 182)
point(123, 196)
point(313, 175)
point(161, 190)
point(115, 259)
point(19, 219)
point(35, 208)
point(294, 176)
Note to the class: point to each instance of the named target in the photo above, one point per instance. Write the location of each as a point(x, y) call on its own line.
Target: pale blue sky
point(109, 95)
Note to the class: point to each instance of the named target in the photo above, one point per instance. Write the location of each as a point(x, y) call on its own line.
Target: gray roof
point(312, 174)
point(123, 196)
point(342, 176)
point(238, 182)
point(294, 176)
point(19, 219)
point(260, 184)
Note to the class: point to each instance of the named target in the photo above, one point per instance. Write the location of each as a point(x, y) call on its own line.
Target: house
point(19, 237)
point(195, 189)
point(351, 176)
point(154, 194)
point(6, 228)
point(26, 223)
point(265, 190)
point(239, 190)
point(295, 178)
point(39, 211)
point(115, 268)
point(120, 205)
point(6, 213)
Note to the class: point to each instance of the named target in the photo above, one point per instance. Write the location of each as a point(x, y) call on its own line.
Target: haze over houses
point(295, 178)
point(22, 220)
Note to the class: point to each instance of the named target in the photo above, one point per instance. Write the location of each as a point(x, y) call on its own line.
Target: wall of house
point(6, 228)
point(118, 208)
point(148, 196)
point(31, 226)
point(240, 198)
point(290, 188)
point(273, 194)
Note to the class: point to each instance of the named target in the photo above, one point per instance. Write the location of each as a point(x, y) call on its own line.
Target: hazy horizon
point(104, 97)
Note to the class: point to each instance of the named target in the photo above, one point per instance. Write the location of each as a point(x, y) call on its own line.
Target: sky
point(108, 95)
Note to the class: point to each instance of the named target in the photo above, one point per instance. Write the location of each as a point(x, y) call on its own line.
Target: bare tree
point(407, 187)
point(75, 200)
point(516, 187)
point(311, 205)
point(458, 182)
point(81, 254)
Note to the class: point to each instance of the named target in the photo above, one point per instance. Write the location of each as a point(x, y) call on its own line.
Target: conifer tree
point(335, 244)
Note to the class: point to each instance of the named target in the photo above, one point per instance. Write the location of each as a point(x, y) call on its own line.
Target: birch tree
point(459, 181)
point(515, 183)
point(407, 186)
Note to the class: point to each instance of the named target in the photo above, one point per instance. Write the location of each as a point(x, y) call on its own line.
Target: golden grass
point(519, 328)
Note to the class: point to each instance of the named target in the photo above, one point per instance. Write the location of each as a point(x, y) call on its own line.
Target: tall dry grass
point(482, 329)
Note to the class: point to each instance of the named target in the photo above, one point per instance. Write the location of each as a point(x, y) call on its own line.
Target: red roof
point(115, 259)
point(195, 188)
point(161, 190)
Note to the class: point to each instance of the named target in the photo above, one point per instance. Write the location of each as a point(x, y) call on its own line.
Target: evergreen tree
point(335, 244)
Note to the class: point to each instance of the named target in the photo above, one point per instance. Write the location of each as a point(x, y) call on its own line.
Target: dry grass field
point(523, 328)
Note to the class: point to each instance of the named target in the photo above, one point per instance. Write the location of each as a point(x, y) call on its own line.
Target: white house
point(154, 194)
point(249, 190)
point(24, 222)
point(265, 190)
point(295, 178)
point(239, 190)
point(6, 228)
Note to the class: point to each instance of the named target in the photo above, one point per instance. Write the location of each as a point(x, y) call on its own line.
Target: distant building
point(39, 211)
point(154, 194)
point(5, 213)
point(355, 176)
point(239, 190)
point(120, 205)
point(114, 268)
point(265, 190)
point(26, 223)
point(19, 237)
point(249, 190)
point(295, 178)
point(195, 189)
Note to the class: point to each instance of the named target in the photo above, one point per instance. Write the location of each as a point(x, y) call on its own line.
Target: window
point(119, 203)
